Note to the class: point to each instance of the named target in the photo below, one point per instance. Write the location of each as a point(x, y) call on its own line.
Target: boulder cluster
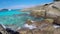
point(50, 23)
point(41, 27)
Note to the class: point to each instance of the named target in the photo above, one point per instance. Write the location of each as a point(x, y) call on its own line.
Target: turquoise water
point(5, 13)
point(15, 19)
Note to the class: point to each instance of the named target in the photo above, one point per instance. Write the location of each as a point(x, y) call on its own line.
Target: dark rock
point(11, 31)
point(2, 30)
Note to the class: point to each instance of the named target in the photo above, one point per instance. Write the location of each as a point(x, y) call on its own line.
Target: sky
point(16, 4)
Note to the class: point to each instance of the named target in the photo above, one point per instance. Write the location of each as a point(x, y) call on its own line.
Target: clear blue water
point(15, 19)
point(6, 13)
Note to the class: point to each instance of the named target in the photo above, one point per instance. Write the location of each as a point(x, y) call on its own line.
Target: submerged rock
point(29, 22)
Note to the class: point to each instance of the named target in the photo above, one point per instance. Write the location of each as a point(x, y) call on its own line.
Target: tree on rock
point(56, 0)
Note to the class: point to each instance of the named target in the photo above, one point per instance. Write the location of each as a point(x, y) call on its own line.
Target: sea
point(15, 18)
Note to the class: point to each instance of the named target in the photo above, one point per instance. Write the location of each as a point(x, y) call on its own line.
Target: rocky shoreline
point(48, 25)
point(34, 27)
point(51, 13)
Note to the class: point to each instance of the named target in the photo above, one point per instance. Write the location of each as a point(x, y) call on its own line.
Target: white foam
point(56, 26)
point(9, 9)
point(30, 26)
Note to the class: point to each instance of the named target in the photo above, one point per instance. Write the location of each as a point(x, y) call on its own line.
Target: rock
point(48, 32)
point(24, 31)
point(11, 31)
point(37, 31)
point(29, 22)
point(44, 22)
point(38, 13)
point(37, 23)
point(48, 21)
point(57, 4)
point(53, 11)
point(57, 21)
point(48, 28)
point(57, 31)
point(2, 30)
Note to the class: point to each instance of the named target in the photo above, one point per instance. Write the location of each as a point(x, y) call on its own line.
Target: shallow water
point(15, 19)
point(9, 13)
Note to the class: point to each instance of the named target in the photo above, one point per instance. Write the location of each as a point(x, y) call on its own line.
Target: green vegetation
point(56, 0)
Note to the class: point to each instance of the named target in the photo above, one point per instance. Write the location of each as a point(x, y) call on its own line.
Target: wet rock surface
point(7, 30)
point(42, 27)
point(2, 30)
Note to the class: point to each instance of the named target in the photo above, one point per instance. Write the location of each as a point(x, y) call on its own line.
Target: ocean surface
point(14, 19)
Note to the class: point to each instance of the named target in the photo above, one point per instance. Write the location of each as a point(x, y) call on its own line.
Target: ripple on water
point(15, 19)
